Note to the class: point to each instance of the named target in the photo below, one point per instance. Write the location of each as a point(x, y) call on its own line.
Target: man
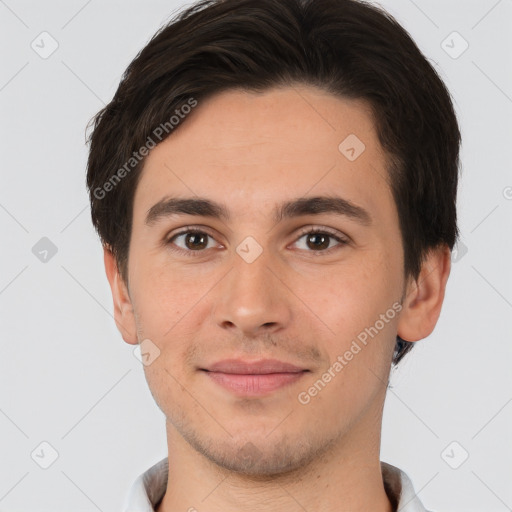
point(274, 184)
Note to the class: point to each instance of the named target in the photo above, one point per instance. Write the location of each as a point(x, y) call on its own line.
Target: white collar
point(150, 487)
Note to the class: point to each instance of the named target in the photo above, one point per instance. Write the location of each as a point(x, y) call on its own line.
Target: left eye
point(319, 240)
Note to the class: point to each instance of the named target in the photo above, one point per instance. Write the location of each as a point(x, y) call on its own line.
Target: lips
point(262, 367)
point(245, 378)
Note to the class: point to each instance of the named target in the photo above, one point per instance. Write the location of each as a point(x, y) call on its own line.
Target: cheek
point(344, 298)
point(170, 309)
point(164, 384)
point(358, 303)
point(165, 296)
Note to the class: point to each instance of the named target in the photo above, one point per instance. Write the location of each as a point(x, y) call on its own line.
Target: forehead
point(253, 149)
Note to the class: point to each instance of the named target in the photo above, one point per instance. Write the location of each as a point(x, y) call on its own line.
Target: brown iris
point(319, 240)
point(196, 241)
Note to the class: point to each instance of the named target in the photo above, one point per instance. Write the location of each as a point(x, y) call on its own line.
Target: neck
point(345, 477)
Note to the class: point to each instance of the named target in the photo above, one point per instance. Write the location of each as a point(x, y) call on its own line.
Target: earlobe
point(123, 309)
point(424, 296)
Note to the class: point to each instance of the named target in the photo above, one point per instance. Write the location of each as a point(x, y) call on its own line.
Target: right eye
point(190, 242)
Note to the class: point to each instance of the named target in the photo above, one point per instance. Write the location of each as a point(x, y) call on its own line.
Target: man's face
point(253, 287)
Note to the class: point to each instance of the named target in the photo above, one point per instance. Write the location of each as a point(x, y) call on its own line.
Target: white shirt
point(149, 488)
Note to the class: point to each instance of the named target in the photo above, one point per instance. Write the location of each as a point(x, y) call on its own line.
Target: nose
point(252, 298)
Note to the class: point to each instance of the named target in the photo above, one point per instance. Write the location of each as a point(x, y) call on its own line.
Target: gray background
point(68, 379)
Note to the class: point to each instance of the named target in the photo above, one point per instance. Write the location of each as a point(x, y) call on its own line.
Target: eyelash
point(342, 241)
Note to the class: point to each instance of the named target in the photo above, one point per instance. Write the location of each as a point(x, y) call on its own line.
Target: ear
point(424, 296)
point(123, 310)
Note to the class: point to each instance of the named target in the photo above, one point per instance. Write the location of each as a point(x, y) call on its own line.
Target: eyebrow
point(169, 206)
